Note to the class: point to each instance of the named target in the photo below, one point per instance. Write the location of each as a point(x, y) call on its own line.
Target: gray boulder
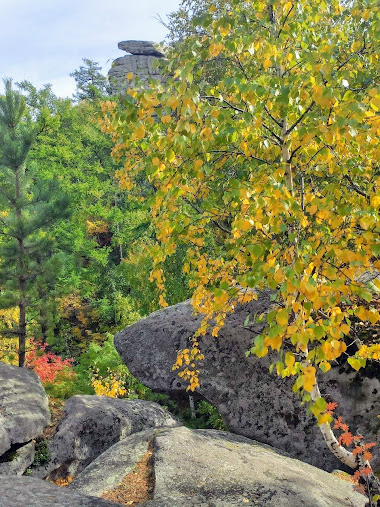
point(108, 470)
point(16, 462)
point(92, 424)
point(31, 492)
point(209, 468)
point(24, 409)
point(140, 47)
point(213, 468)
point(252, 402)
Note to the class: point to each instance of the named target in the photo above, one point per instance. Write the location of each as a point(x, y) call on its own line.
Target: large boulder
point(31, 492)
point(24, 408)
point(207, 468)
point(92, 424)
point(253, 402)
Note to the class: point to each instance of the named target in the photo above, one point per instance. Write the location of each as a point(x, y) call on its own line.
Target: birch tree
point(271, 178)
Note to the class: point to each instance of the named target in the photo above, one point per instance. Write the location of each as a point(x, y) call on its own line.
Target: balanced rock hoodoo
point(142, 62)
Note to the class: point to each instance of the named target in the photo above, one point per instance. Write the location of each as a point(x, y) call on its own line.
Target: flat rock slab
point(31, 492)
point(217, 469)
point(108, 470)
point(252, 402)
point(138, 47)
point(92, 424)
point(24, 408)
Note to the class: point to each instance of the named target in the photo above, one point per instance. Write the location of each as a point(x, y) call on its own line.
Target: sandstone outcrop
point(253, 402)
point(142, 62)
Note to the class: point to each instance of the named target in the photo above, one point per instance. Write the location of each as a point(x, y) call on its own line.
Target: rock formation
point(24, 413)
point(193, 468)
point(253, 402)
point(215, 468)
point(92, 424)
point(142, 62)
point(114, 447)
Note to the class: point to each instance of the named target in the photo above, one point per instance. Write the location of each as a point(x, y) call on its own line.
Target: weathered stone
point(143, 63)
point(92, 424)
point(139, 47)
point(16, 462)
point(213, 468)
point(108, 470)
point(31, 492)
point(253, 402)
point(24, 409)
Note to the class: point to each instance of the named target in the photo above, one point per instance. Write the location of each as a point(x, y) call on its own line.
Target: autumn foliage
point(268, 173)
point(46, 364)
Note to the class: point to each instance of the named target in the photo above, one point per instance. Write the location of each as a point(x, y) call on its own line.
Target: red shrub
point(45, 364)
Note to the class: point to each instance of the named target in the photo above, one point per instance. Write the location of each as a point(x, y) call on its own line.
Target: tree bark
point(21, 276)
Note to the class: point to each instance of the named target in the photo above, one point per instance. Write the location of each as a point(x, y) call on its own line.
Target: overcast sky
point(44, 40)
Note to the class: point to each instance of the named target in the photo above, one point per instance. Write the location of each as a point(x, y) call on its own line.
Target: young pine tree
point(28, 209)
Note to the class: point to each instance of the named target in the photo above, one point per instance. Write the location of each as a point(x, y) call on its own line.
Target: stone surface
point(24, 409)
point(31, 492)
point(108, 470)
point(143, 63)
point(92, 424)
point(15, 463)
point(253, 402)
point(212, 468)
point(140, 47)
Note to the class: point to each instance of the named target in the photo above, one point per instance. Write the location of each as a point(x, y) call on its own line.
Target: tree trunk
point(21, 276)
point(22, 326)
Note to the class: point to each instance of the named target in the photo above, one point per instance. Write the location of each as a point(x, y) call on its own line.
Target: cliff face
point(141, 61)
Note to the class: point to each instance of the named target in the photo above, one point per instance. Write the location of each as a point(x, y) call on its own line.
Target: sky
point(42, 41)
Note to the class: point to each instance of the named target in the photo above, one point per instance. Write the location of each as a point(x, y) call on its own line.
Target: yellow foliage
point(9, 344)
point(269, 178)
point(112, 385)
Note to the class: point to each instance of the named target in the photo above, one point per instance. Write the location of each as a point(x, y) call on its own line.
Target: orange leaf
point(346, 438)
point(330, 407)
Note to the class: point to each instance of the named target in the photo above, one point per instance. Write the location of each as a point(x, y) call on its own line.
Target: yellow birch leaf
point(267, 63)
point(282, 317)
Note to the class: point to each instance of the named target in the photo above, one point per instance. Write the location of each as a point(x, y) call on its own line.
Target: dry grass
point(136, 487)
point(56, 409)
point(344, 476)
